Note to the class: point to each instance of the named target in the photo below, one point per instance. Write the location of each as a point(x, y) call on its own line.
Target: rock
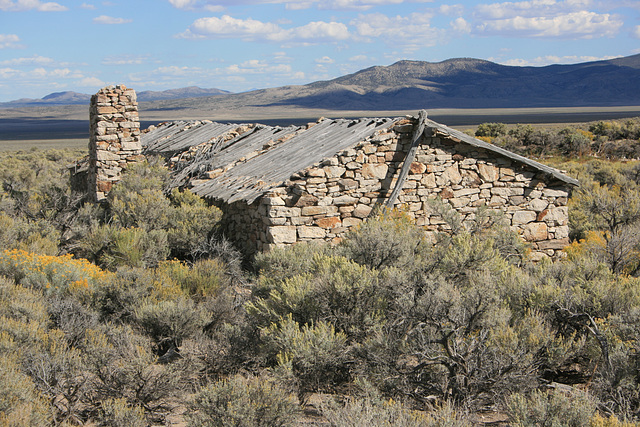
point(487, 172)
point(344, 200)
point(273, 201)
point(348, 184)
point(538, 205)
point(312, 232)
point(535, 231)
point(450, 176)
point(330, 222)
point(523, 217)
point(377, 170)
point(417, 168)
point(282, 234)
point(555, 216)
point(548, 192)
point(555, 244)
point(305, 200)
point(429, 180)
point(446, 193)
point(362, 211)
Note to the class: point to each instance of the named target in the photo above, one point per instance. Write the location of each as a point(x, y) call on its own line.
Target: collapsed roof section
point(233, 162)
point(242, 162)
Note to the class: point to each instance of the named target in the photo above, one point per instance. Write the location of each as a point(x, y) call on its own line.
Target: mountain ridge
point(412, 84)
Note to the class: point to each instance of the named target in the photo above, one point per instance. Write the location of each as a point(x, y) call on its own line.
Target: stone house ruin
point(282, 185)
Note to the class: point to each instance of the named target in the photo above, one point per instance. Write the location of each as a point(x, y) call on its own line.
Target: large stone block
point(555, 244)
point(488, 173)
point(362, 211)
point(311, 232)
point(377, 170)
point(330, 222)
point(555, 216)
point(344, 200)
point(523, 217)
point(314, 210)
point(535, 231)
point(450, 176)
point(282, 234)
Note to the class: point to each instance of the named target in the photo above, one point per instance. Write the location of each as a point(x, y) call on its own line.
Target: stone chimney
point(114, 139)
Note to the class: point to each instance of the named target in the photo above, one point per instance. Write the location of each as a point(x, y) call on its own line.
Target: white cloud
point(22, 5)
point(290, 4)
point(9, 41)
point(126, 60)
point(325, 60)
point(355, 4)
point(177, 71)
point(8, 73)
point(636, 32)
point(29, 61)
point(299, 5)
point(461, 25)
point(541, 61)
point(261, 73)
point(182, 4)
point(573, 25)
point(87, 6)
point(254, 30)
point(545, 18)
point(411, 31)
point(319, 31)
point(109, 20)
point(39, 75)
point(228, 27)
point(451, 9)
point(91, 82)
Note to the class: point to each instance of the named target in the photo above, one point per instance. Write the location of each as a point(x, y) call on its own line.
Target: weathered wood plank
point(411, 155)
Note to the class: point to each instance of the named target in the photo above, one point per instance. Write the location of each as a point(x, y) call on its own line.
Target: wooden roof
point(244, 161)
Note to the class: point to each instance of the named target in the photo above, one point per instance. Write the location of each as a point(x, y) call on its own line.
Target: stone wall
point(245, 225)
point(324, 201)
point(114, 139)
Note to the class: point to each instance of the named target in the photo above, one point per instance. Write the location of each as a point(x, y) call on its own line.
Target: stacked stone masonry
point(114, 137)
point(324, 201)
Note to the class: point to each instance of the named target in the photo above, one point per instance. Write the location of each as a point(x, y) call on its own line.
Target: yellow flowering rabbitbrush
point(56, 274)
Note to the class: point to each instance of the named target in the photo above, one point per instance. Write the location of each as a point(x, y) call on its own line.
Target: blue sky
point(238, 45)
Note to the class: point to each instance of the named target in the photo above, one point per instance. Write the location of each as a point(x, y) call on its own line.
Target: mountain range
point(75, 98)
point(407, 85)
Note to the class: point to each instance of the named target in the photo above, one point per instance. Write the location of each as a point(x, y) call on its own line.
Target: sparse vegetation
point(118, 314)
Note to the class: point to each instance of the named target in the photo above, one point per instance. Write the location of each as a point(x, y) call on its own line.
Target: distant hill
point(75, 98)
point(474, 83)
point(185, 92)
point(411, 85)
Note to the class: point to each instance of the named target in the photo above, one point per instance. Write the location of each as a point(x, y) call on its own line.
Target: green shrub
point(110, 247)
point(333, 289)
point(191, 225)
point(316, 354)
point(491, 129)
point(240, 401)
point(389, 239)
point(117, 412)
point(20, 403)
point(282, 263)
point(168, 323)
point(553, 408)
point(367, 412)
point(122, 366)
point(205, 278)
